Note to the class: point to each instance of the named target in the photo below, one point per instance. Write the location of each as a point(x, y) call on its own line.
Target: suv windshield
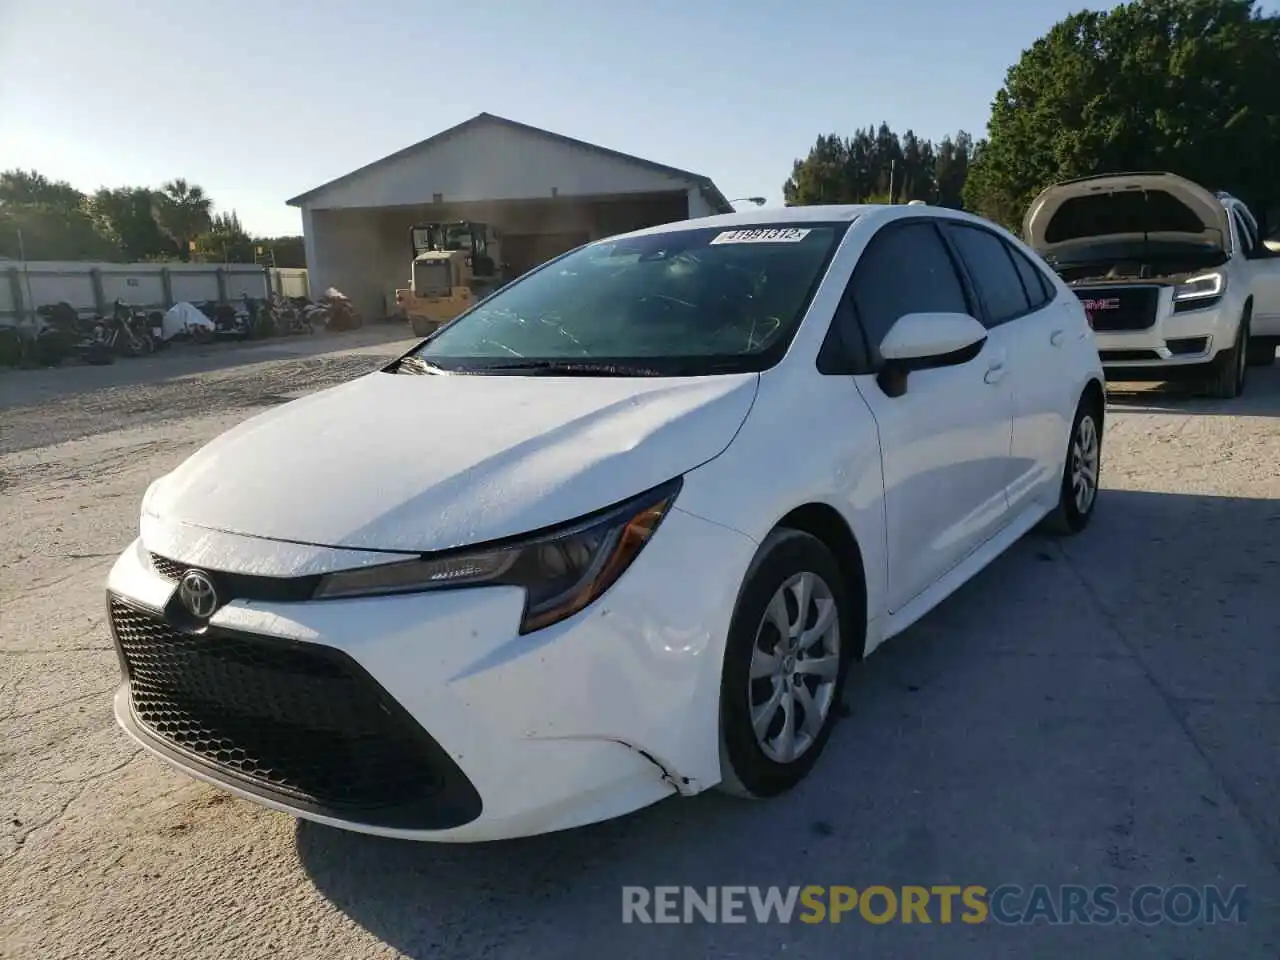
point(677, 303)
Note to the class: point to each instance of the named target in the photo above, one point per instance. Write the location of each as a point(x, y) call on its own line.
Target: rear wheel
point(1078, 493)
point(1262, 351)
point(790, 644)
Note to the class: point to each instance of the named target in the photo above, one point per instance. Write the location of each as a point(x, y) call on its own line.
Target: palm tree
point(182, 211)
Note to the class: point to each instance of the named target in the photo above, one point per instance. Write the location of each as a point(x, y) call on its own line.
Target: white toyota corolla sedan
point(615, 534)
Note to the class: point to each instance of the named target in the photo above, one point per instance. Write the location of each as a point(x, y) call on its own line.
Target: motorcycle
point(228, 322)
point(61, 329)
point(127, 332)
point(337, 312)
point(287, 316)
point(53, 337)
point(185, 321)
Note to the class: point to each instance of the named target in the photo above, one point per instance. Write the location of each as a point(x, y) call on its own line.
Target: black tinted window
point(993, 272)
point(1033, 280)
point(905, 269)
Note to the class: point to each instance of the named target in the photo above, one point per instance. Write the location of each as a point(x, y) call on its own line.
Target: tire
point(1229, 369)
point(423, 327)
point(786, 559)
point(1262, 352)
point(1072, 514)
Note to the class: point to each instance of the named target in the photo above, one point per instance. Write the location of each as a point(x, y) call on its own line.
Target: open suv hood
point(1125, 208)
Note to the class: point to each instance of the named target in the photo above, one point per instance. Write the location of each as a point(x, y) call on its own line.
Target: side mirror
point(925, 341)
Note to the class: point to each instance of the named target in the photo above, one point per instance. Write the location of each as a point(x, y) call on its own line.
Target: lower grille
point(1184, 346)
point(1120, 307)
point(1121, 356)
point(299, 720)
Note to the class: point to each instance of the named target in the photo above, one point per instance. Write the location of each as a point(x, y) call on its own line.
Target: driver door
point(945, 443)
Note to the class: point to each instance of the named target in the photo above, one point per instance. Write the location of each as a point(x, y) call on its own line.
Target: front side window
point(681, 302)
point(905, 269)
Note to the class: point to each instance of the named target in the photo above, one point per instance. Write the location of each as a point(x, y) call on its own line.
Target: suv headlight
point(561, 570)
point(1207, 286)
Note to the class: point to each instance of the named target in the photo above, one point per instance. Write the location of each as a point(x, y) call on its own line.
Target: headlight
point(1204, 287)
point(561, 570)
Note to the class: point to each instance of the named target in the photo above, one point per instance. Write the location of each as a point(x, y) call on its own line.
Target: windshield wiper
point(578, 368)
point(417, 365)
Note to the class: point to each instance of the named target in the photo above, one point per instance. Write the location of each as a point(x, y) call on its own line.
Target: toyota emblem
point(198, 594)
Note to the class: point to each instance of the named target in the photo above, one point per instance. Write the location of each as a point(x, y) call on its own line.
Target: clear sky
point(258, 102)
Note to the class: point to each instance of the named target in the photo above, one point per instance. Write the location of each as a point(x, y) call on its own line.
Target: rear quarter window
point(988, 260)
point(1039, 290)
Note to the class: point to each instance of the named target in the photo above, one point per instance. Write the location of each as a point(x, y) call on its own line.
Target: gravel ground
point(1100, 711)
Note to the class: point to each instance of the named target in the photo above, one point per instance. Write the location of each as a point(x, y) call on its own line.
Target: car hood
point(1124, 208)
point(419, 463)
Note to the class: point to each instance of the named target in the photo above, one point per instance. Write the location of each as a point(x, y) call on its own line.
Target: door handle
point(1055, 338)
point(995, 373)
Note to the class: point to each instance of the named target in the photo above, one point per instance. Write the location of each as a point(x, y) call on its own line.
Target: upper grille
point(169, 569)
point(298, 719)
point(242, 586)
point(1127, 307)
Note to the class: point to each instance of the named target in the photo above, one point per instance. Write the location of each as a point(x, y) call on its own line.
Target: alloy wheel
point(795, 664)
point(1084, 464)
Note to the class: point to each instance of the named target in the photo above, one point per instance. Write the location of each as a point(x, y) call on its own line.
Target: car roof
point(811, 213)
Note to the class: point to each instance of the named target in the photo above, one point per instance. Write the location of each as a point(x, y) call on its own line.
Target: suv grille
point(1120, 307)
point(300, 720)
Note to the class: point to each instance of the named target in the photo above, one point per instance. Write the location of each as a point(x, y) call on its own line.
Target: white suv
point(1174, 277)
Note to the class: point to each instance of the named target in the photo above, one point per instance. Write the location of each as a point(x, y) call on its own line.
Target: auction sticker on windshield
point(761, 236)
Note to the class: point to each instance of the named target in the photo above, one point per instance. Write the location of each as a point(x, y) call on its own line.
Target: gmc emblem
point(1090, 306)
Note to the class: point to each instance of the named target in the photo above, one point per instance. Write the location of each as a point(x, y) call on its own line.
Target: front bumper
point(1189, 339)
point(427, 716)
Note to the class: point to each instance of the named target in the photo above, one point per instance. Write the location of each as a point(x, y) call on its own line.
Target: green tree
point(282, 251)
point(1186, 86)
point(47, 220)
point(28, 188)
point(225, 241)
point(951, 169)
point(125, 215)
point(183, 211)
point(875, 165)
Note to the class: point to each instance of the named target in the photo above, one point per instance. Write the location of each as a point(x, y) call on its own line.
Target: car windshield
point(675, 303)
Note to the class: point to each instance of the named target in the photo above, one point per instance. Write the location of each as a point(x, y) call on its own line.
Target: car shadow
point(1086, 711)
point(1261, 397)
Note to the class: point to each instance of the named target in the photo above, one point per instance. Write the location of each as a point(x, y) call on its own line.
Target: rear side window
point(1247, 240)
point(1037, 287)
point(905, 269)
point(987, 258)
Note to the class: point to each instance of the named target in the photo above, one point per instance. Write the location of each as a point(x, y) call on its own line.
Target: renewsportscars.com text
point(972, 904)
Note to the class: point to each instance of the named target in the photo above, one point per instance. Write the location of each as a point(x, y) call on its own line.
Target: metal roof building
point(545, 193)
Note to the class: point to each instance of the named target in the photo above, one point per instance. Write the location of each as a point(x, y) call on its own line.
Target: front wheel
point(1229, 369)
point(1078, 492)
point(790, 644)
